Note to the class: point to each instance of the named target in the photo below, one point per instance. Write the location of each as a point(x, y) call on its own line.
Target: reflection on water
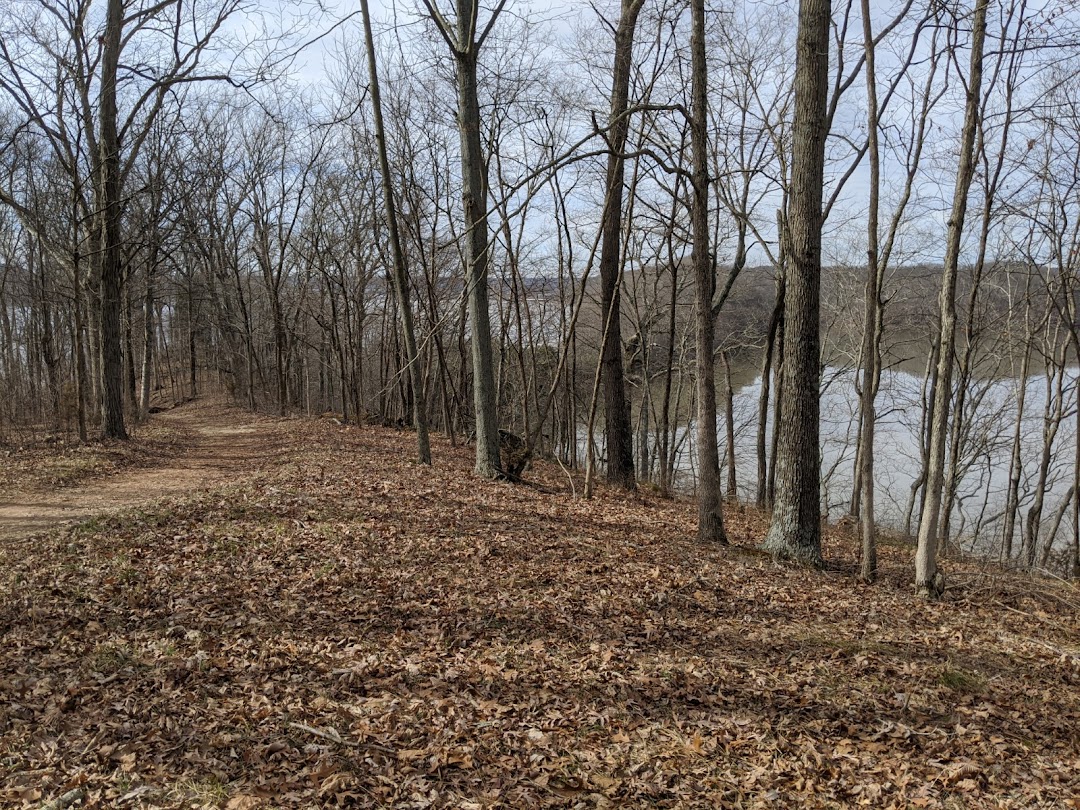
point(983, 463)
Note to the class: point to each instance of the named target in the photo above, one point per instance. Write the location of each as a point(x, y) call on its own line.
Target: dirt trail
point(220, 443)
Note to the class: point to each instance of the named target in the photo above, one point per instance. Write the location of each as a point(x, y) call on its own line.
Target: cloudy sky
point(312, 64)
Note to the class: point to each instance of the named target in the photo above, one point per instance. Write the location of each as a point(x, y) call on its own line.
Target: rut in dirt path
point(220, 444)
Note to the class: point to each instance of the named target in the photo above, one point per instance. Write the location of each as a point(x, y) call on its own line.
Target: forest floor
point(301, 616)
point(179, 450)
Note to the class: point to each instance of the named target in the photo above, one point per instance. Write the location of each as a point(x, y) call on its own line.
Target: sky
point(313, 64)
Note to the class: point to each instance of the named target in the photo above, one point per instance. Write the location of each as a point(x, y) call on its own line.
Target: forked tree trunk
point(1053, 414)
point(928, 581)
point(465, 48)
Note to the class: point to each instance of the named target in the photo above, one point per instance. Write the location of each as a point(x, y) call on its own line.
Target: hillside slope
point(345, 628)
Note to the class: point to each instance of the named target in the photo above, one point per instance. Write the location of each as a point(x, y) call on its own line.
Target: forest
point(520, 403)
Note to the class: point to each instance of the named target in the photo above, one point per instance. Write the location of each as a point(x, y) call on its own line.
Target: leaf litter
point(346, 628)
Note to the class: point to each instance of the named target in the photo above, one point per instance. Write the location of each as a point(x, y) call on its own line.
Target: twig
point(65, 801)
point(332, 735)
point(1072, 657)
point(569, 477)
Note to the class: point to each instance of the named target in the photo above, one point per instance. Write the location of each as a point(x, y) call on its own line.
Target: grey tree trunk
point(618, 434)
point(710, 496)
point(771, 343)
point(192, 358)
point(868, 414)
point(78, 347)
point(928, 581)
point(1053, 413)
point(108, 195)
point(48, 346)
point(1012, 500)
point(400, 273)
point(465, 44)
point(729, 428)
point(1075, 567)
point(667, 440)
point(130, 377)
point(795, 532)
point(475, 204)
point(149, 332)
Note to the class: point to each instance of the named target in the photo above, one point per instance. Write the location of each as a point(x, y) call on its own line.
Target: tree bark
point(108, 193)
point(729, 425)
point(400, 272)
point(1012, 498)
point(771, 341)
point(928, 581)
point(710, 497)
point(795, 532)
point(149, 332)
point(474, 201)
point(618, 435)
point(868, 415)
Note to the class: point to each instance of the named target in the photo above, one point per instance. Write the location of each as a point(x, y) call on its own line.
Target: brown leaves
point(61, 462)
point(349, 629)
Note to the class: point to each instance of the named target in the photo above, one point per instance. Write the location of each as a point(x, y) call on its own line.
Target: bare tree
point(465, 39)
point(710, 497)
point(64, 76)
point(795, 532)
point(618, 434)
point(929, 583)
point(399, 270)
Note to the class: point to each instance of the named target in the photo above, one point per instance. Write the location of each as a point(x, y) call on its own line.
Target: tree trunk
point(1012, 498)
point(48, 346)
point(710, 499)
point(148, 340)
point(1075, 572)
point(928, 582)
point(868, 415)
point(78, 347)
point(795, 532)
point(667, 440)
point(130, 377)
point(474, 201)
point(192, 360)
point(1052, 416)
point(108, 191)
point(917, 491)
point(775, 321)
point(729, 425)
point(617, 429)
point(401, 274)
